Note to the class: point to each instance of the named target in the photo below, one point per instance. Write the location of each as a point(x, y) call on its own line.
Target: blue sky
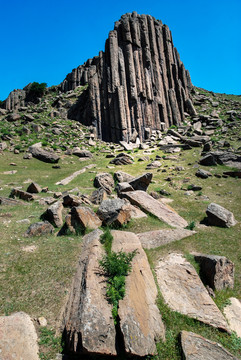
point(44, 40)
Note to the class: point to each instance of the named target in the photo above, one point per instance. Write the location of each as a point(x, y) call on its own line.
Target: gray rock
point(122, 159)
point(156, 238)
point(105, 181)
point(82, 153)
point(39, 228)
point(3, 146)
point(141, 182)
point(219, 216)
point(114, 211)
point(232, 312)
point(203, 174)
point(98, 196)
point(43, 155)
point(121, 176)
point(54, 214)
point(123, 187)
point(196, 347)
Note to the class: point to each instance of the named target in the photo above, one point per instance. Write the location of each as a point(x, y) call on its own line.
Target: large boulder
point(105, 181)
point(121, 176)
point(114, 211)
point(216, 271)
point(140, 320)
point(232, 311)
point(23, 195)
point(141, 182)
point(88, 321)
point(98, 196)
point(18, 338)
point(219, 216)
point(183, 291)
point(39, 228)
point(43, 155)
point(122, 159)
point(54, 214)
point(196, 347)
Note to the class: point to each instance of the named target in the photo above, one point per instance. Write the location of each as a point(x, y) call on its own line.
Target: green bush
point(35, 91)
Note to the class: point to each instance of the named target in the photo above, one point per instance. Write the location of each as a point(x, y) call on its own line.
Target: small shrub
point(35, 91)
point(191, 225)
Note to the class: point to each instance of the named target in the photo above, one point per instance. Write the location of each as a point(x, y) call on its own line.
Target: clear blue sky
point(43, 40)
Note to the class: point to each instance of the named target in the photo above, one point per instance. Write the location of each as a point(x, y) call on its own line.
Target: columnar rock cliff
point(138, 82)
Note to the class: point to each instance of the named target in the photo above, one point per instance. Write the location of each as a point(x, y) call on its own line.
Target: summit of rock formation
point(138, 82)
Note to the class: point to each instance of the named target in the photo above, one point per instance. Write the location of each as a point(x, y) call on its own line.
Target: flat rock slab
point(74, 175)
point(153, 239)
point(183, 291)
point(140, 320)
point(196, 347)
point(155, 207)
point(18, 338)
point(88, 321)
point(233, 315)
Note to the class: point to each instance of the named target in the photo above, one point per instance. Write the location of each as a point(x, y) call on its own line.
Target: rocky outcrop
point(219, 216)
point(138, 82)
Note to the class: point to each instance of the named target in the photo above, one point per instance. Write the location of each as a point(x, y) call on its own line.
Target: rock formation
point(138, 82)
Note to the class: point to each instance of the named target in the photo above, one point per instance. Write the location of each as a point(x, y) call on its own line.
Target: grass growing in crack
point(116, 266)
point(49, 343)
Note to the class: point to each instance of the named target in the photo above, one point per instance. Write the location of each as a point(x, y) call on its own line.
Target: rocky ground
point(174, 199)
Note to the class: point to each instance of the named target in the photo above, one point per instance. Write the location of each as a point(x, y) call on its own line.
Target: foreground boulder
point(88, 322)
point(39, 228)
point(18, 338)
point(232, 312)
point(43, 155)
point(114, 211)
point(155, 207)
point(184, 292)
point(140, 320)
point(104, 181)
point(54, 214)
point(156, 238)
point(196, 347)
point(216, 271)
point(219, 216)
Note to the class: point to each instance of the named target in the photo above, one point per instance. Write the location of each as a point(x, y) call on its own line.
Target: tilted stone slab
point(18, 338)
point(183, 291)
point(233, 315)
point(153, 239)
point(88, 321)
point(140, 319)
point(196, 347)
point(74, 175)
point(155, 207)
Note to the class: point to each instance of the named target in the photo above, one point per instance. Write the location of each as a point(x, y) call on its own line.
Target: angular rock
point(80, 219)
point(54, 214)
point(208, 160)
point(74, 175)
point(123, 187)
point(184, 292)
point(82, 153)
point(219, 216)
point(88, 321)
point(155, 207)
point(114, 211)
point(196, 347)
point(39, 228)
point(3, 146)
point(18, 338)
point(141, 182)
point(43, 155)
point(105, 181)
point(122, 159)
point(121, 176)
point(71, 200)
point(98, 196)
point(216, 271)
point(34, 188)
point(203, 174)
point(10, 202)
point(140, 320)
point(154, 165)
point(135, 212)
point(233, 315)
point(156, 238)
point(23, 195)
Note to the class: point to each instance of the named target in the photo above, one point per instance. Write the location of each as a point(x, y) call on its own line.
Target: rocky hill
point(128, 250)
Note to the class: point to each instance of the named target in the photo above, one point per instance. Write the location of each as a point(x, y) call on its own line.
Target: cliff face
point(138, 82)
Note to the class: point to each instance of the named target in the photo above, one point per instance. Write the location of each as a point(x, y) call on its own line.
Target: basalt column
point(138, 82)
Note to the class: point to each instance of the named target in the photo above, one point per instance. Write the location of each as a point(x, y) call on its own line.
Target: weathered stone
point(203, 174)
point(154, 239)
point(34, 188)
point(196, 347)
point(82, 153)
point(232, 312)
point(98, 196)
point(155, 207)
point(74, 175)
point(184, 292)
point(216, 271)
point(43, 155)
point(80, 219)
point(10, 202)
point(54, 214)
point(88, 321)
point(3, 146)
point(208, 160)
point(141, 182)
point(122, 159)
point(114, 211)
point(154, 165)
point(13, 117)
point(71, 200)
point(219, 216)
point(105, 181)
point(39, 228)
point(23, 195)
point(140, 320)
point(18, 339)
point(121, 176)
point(135, 212)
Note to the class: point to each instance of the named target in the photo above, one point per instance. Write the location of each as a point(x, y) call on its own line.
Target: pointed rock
point(184, 292)
point(54, 214)
point(219, 216)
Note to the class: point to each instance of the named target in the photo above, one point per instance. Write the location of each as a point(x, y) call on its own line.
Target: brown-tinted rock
point(121, 176)
point(216, 271)
point(88, 322)
point(155, 207)
point(232, 313)
point(153, 239)
point(122, 159)
point(140, 320)
point(23, 195)
point(71, 200)
point(114, 211)
point(219, 216)
point(34, 188)
point(184, 292)
point(196, 347)
point(54, 214)
point(105, 181)
point(18, 338)
point(80, 219)
point(141, 182)
point(3, 146)
point(98, 196)
point(39, 228)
